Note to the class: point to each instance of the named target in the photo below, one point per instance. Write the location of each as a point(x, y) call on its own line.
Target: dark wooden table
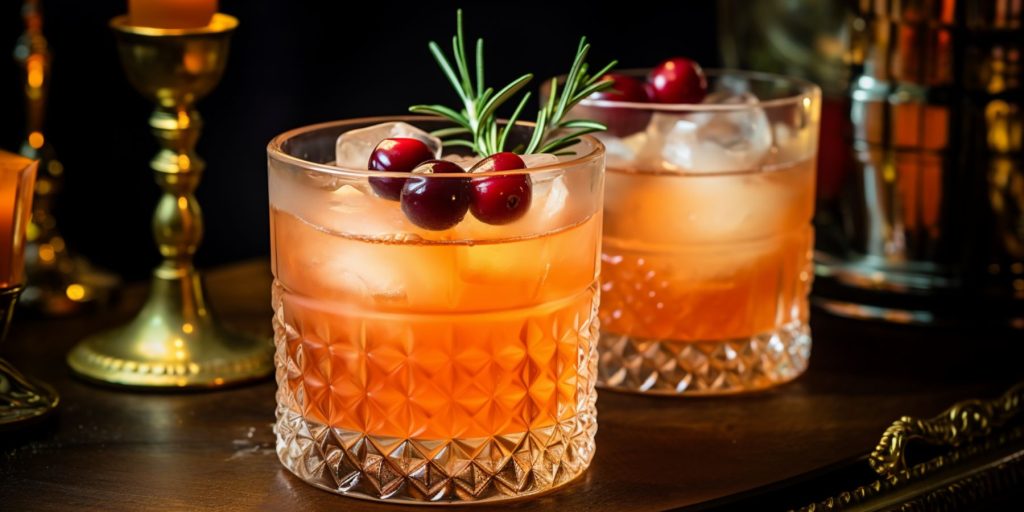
point(110, 449)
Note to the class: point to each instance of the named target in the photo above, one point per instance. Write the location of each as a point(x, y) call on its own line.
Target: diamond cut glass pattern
point(499, 419)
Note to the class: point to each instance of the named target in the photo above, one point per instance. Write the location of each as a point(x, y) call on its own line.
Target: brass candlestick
point(174, 341)
point(59, 282)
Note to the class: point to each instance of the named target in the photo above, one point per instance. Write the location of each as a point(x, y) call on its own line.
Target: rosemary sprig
point(479, 103)
point(477, 117)
point(556, 132)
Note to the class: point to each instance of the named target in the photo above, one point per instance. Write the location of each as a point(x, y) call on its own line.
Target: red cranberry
point(436, 203)
point(504, 161)
point(649, 91)
point(621, 122)
point(625, 88)
point(678, 80)
point(504, 198)
point(396, 155)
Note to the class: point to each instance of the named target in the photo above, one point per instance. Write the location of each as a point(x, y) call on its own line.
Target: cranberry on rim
point(504, 198)
point(435, 203)
point(624, 88)
point(398, 154)
point(621, 122)
point(678, 80)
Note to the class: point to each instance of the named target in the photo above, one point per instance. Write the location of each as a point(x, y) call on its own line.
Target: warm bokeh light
point(46, 253)
point(36, 66)
point(75, 292)
point(36, 140)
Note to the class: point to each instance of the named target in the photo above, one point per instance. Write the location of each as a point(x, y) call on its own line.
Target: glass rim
point(808, 91)
point(218, 24)
point(276, 151)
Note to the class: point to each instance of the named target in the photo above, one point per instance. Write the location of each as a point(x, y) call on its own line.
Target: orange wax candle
point(171, 13)
point(17, 177)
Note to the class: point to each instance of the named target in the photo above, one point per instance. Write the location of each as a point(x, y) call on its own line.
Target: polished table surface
point(109, 449)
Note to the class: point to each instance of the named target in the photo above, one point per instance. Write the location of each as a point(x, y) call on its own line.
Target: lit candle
point(17, 177)
point(171, 13)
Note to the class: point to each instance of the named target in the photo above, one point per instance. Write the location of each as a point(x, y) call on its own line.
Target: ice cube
point(792, 144)
point(623, 151)
point(464, 161)
point(354, 147)
point(550, 193)
point(349, 199)
point(363, 271)
point(356, 210)
point(667, 211)
point(325, 181)
point(539, 160)
point(714, 141)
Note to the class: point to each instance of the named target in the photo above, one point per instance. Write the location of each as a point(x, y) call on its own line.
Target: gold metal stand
point(174, 341)
point(59, 282)
point(21, 399)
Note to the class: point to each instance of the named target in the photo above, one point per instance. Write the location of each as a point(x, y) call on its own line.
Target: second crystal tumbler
point(707, 237)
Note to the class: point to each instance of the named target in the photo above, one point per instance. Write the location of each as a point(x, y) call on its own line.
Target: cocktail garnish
point(477, 125)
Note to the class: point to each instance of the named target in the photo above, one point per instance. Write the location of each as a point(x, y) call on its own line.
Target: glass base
point(23, 400)
point(669, 367)
point(435, 471)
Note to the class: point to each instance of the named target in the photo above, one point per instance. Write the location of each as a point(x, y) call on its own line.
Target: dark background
point(293, 63)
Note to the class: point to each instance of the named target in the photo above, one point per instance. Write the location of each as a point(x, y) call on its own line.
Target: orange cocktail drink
point(707, 236)
point(432, 364)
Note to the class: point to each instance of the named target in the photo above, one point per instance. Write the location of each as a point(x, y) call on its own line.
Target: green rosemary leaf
point(492, 137)
point(461, 65)
point(447, 68)
point(571, 80)
point(448, 132)
point(443, 111)
point(553, 96)
point(482, 100)
point(567, 140)
point(597, 76)
point(458, 142)
point(458, 44)
point(556, 146)
point(512, 121)
point(591, 89)
point(480, 138)
point(582, 123)
point(479, 67)
point(504, 94)
point(538, 132)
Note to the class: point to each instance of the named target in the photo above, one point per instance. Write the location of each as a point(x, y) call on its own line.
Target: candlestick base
point(173, 342)
point(21, 399)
